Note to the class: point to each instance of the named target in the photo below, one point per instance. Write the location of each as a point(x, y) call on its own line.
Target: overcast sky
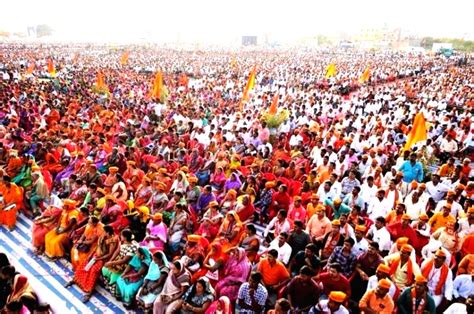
point(214, 20)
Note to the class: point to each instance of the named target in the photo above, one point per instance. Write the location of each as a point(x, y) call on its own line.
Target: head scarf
point(154, 272)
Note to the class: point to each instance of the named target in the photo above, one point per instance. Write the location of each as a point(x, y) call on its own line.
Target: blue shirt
point(412, 172)
point(261, 295)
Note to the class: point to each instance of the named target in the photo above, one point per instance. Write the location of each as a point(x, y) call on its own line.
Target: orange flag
point(418, 132)
point(124, 58)
point(157, 86)
point(51, 69)
point(274, 106)
point(365, 76)
point(100, 83)
point(31, 67)
point(250, 83)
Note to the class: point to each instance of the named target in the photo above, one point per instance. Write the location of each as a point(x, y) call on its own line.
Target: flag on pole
point(157, 86)
point(31, 68)
point(250, 85)
point(51, 69)
point(331, 70)
point(418, 132)
point(365, 76)
point(124, 58)
point(274, 106)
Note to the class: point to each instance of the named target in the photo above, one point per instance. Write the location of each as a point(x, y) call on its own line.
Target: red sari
point(41, 229)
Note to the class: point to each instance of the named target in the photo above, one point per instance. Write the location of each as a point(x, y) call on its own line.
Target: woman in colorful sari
point(88, 270)
point(220, 306)
point(157, 233)
point(175, 286)
point(236, 272)
point(230, 231)
point(57, 239)
point(211, 222)
point(180, 184)
point(114, 268)
point(42, 225)
point(218, 179)
point(154, 281)
point(133, 276)
point(229, 201)
point(197, 298)
point(143, 192)
point(119, 189)
point(233, 183)
point(193, 192)
point(212, 266)
point(245, 208)
point(87, 243)
point(177, 228)
point(10, 202)
point(20, 290)
point(24, 177)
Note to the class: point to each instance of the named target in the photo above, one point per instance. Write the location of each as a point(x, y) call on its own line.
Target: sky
point(214, 21)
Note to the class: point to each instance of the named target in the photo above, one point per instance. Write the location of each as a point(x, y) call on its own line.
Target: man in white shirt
point(435, 188)
point(361, 245)
point(435, 268)
point(277, 225)
point(378, 206)
point(460, 308)
point(282, 247)
point(456, 208)
point(463, 286)
point(380, 234)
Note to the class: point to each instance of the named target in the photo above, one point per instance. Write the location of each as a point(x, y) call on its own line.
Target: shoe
point(68, 284)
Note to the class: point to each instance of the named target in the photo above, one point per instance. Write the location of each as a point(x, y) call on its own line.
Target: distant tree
point(43, 30)
point(458, 44)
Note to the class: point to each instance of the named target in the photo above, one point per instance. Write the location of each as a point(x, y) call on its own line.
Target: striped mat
point(48, 278)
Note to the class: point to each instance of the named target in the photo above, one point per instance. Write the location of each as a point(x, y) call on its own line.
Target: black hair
point(273, 253)
point(8, 271)
point(380, 219)
point(251, 228)
point(336, 266)
point(283, 213)
point(306, 270)
point(350, 241)
point(311, 247)
point(256, 276)
point(108, 229)
point(127, 234)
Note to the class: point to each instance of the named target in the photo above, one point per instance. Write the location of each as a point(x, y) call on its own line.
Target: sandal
point(69, 284)
point(86, 298)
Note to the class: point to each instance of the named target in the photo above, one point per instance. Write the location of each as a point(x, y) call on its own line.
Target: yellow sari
point(54, 242)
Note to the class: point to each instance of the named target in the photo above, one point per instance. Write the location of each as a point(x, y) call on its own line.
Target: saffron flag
point(418, 132)
point(157, 86)
point(274, 106)
point(365, 76)
point(31, 68)
point(100, 83)
point(331, 70)
point(124, 58)
point(51, 69)
point(250, 84)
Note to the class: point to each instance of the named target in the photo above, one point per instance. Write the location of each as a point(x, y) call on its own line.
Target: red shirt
point(329, 284)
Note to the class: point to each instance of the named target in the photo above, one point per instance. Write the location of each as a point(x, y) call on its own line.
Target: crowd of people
point(197, 203)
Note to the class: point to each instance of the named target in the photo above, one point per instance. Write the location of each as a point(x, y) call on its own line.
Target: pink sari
point(236, 272)
point(160, 230)
point(40, 230)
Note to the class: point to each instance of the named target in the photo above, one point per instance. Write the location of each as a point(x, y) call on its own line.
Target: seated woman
point(230, 231)
point(87, 243)
point(119, 189)
point(212, 266)
point(88, 271)
point(57, 239)
point(244, 208)
point(154, 281)
point(180, 184)
point(42, 225)
point(114, 268)
point(144, 192)
point(177, 228)
point(218, 179)
point(197, 298)
point(250, 242)
point(156, 233)
point(236, 272)
point(211, 222)
point(20, 288)
point(133, 276)
point(221, 306)
point(175, 286)
point(229, 201)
